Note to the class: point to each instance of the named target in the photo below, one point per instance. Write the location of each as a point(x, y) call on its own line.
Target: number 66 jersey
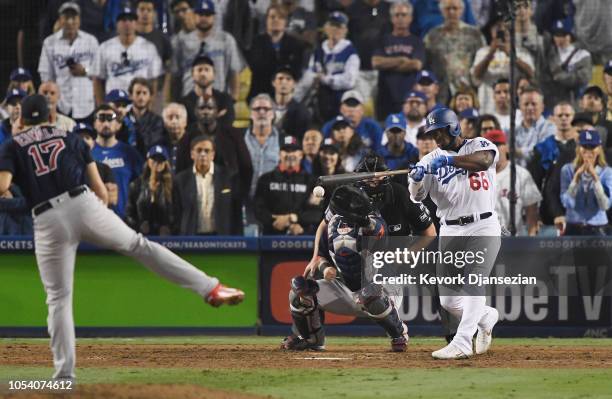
point(45, 162)
point(456, 191)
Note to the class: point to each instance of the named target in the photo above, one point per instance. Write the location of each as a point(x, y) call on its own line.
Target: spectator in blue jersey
point(120, 100)
point(428, 15)
point(12, 103)
point(122, 158)
point(332, 69)
point(15, 216)
point(149, 126)
point(427, 83)
point(397, 152)
point(352, 109)
point(398, 58)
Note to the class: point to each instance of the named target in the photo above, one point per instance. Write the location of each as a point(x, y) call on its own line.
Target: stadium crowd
point(213, 117)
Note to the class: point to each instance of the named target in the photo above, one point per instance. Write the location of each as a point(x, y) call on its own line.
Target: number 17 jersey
point(456, 191)
point(45, 162)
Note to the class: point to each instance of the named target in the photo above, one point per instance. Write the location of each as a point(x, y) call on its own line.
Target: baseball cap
point(394, 121)
point(328, 145)
point(126, 13)
point(595, 90)
point(157, 152)
point(202, 59)
point(337, 18)
point(13, 93)
point(117, 96)
point(469, 113)
point(340, 122)
point(589, 138)
point(352, 95)
point(20, 75)
point(561, 27)
point(496, 136)
point(85, 128)
point(608, 68)
point(286, 69)
point(426, 77)
point(206, 7)
point(582, 117)
point(290, 144)
point(70, 6)
point(35, 109)
point(415, 94)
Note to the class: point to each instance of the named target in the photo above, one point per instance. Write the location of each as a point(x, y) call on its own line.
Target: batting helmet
point(351, 203)
point(443, 117)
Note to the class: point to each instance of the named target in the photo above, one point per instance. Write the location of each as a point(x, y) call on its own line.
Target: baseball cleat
point(450, 352)
point(485, 334)
point(399, 344)
point(222, 295)
point(296, 343)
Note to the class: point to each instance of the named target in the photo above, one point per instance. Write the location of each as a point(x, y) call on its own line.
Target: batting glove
point(417, 174)
point(440, 162)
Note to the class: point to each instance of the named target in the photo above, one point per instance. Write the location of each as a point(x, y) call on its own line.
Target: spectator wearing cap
point(398, 57)
point(21, 79)
point(12, 103)
point(125, 57)
point(413, 114)
point(534, 128)
point(492, 62)
point(352, 109)
point(565, 68)
point(149, 208)
point(450, 47)
point(310, 148)
point(97, 17)
point(501, 101)
point(349, 143)
point(291, 117)
point(122, 158)
point(548, 158)
point(302, 23)
point(327, 162)
point(526, 192)
point(284, 203)
point(332, 70)
point(468, 120)
point(66, 58)
point(120, 101)
point(593, 101)
point(425, 143)
point(203, 76)
point(217, 44)
point(397, 152)
point(149, 126)
point(586, 184)
point(430, 15)
point(593, 28)
point(608, 83)
point(428, 83)
point(203, 196)
point(272, 49)
point(51, 91)
point(465, 97)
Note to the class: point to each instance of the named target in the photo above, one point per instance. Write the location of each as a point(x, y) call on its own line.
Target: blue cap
point(21, 75)
point(395, 121)
point(427, 76)
point(117, 95)
point(127, 12)
point(84, 127)
point(589, 138)
point(416, 94)
point(562, 26)
point(469, 113)
point(340, 121)
point(10, 94)
point(204, 7)
point(338, 18)
point(158, 151)
point(608, 68)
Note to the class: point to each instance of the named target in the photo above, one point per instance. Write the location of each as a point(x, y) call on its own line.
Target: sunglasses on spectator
point(262, 109)
point(125, 61)
point(181, 10)
point(106, 117)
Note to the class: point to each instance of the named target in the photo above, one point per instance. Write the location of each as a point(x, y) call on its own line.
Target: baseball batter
point(53, 168)
point(460, 178)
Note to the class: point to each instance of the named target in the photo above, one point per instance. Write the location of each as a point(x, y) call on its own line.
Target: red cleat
point(221, 295)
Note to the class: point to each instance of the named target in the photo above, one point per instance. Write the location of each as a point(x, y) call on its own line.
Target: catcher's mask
point(377, 189)
point(351, 203)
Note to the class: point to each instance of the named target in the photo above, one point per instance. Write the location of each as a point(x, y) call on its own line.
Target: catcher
point(351, 216)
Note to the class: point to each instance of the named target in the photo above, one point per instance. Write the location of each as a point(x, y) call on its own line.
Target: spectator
point(413, 113)
point(203, 76)
point(565, 68)
point(534, 128)
point(327, 161)
point(52, 93)
point(262, 138)
point(593, 101)
point(608, 83)
point(291, 118)
point(527, 36)
point(284, 203)
point(468, 120)
point(397, 152)
point(122, 158)
point(203, 195)
point(184, 18)
point(96, 18)
point(123, 58)
point(492, 63)
point(593, 29)
point(15, 219)
point(349, 144)
point(310, 148)
point(398, 58)
point(482, 10)
point(545, 167)
point(120, 101)
point(425, 143)
point(67, 57)
point(149, 126)
point(352, 109)
point(332, 69)
point(486, 123)
point(501, 101)
point(451, 48)
point(526, 192)
point(586, 184)
point(431, 14)
point(465, 97)
point(175, 127)
point(149, 209)
point(10, 125)
point(217, 44)
point(21, 79)
point(271, 49)
point(302, 23)
point(427, 83)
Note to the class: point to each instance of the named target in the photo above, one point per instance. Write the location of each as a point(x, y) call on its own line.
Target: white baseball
point(318, 191)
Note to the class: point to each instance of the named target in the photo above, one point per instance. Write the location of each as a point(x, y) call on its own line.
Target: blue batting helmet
point(443, 117)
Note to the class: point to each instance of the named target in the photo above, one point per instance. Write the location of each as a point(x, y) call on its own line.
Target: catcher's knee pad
point(305, 312)
point(384, 313)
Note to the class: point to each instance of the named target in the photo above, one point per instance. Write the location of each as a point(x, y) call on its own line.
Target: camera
point(501, 35)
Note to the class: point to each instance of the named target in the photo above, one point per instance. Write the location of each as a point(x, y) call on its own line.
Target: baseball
point(318, 191)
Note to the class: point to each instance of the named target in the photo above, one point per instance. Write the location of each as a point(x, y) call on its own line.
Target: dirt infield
point(251, 356)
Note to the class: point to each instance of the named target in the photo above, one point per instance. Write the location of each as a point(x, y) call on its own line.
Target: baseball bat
point(345, 178)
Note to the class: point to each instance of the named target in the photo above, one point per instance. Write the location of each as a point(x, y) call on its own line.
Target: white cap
point(355, 94)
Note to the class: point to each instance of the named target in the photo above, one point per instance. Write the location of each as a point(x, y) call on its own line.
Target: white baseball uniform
point(527, 194)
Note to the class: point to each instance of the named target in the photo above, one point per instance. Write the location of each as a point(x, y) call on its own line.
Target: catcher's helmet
point(351, 203)
point(443, 117)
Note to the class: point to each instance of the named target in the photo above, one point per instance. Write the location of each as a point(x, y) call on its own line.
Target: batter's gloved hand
point(440, 162)
point(417, 173)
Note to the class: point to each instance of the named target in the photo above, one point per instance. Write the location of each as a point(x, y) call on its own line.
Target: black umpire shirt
point(403, 217)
